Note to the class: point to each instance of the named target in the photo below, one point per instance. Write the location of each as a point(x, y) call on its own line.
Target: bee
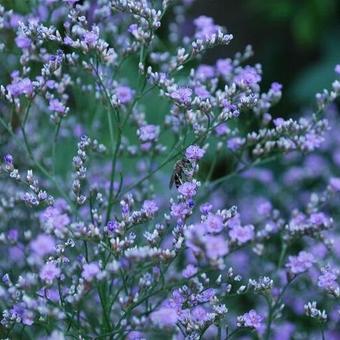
point(183, 171)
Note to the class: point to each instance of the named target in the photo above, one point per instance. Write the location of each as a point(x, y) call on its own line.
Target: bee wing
point(172, 179)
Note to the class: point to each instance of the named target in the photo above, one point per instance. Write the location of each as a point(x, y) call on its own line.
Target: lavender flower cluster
point(105, 102)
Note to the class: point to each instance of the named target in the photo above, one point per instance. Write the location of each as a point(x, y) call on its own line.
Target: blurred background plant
point(296, 41)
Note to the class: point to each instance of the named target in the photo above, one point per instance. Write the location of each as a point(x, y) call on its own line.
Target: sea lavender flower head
point(205, 72)
point(194, 153)
point(148, 133)
point(216, 246)
point(124, 94)
point(20, 86)
point(164, 317)
point(251, 319)
point(337, 69)
point(23, 42)
point(49, 272)
point(188, 189)
point(214, 223)
point(300, 263)
point(242, 235)
point(247, 77)
point(202, 92)
point(328, 280)
point(43, 245)
point(189, 271)
point(90, 37)
point(56, 106)
point(8, 159)
point(90, 271)
point(224, 67)
point(334, 184)
point(205, 27)
point(182, 95)
point(150, 207)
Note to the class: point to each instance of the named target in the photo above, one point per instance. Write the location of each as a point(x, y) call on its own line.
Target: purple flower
point(202, 92)
point(13, 235)
point(194, 153)
point(222, 130)
point(276, 87)
point(328, 279)
point(312, 141)
point(205, 72)
point(337, 69)
point(264, 208)
point(20, 311)
point(215, 246)
point(133, 29)
point(182, 95)
point(189, 271)
point(23, 42)
point(164, 317)
point(49, 272)
point(20, 86)
point(56, 106)
point(199, 314)
point(150, 207)
point(319, 219)
point(252, 319)
point(247, 77)
point(301, 263)
point(148, 132)
point(179, 210)
point(205, 208)
point(224, 67)
point(90, 38)
point(214, 223)
point(235, 143)
point(112, 226)
point(205, 27)
point(54, 218)
point(334, 183)
point(8, 159)
point(90, 271)
point(278, 121)
point(188, 189)
point(203, 21)
point(124, 94)
point(135, 335)
point(43, 245)
point(241, 235)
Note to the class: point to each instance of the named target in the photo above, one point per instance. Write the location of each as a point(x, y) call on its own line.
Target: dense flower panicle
point(95, 243)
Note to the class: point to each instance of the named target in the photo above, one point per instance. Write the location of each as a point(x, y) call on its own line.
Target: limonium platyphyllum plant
point(102, 105)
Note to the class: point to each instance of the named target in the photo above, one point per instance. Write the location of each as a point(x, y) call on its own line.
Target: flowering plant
point(100, 110)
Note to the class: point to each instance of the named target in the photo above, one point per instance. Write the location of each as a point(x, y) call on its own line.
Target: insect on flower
point(182, 172)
